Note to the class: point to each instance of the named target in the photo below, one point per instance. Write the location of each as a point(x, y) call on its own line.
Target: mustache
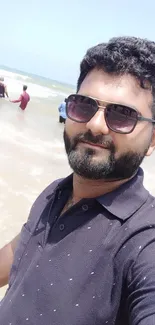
point(89, 137)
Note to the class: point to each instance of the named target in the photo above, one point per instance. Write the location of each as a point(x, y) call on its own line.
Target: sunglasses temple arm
point(141, 118)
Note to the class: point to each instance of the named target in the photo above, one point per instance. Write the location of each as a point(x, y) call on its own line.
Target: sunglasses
point(119, 118)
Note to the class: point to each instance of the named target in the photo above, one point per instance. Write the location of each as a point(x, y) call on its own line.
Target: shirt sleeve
point(141, 287)
point(59, 108)
point(17, 100)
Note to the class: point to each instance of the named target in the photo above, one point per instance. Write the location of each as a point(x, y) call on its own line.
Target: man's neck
point(85, 188)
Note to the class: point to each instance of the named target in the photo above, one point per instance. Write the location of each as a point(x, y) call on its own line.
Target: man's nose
point(97, 124)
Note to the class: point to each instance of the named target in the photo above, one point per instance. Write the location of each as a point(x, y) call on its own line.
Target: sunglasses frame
point(105, 107)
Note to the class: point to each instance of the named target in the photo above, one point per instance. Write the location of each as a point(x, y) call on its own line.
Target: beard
point(111, 168)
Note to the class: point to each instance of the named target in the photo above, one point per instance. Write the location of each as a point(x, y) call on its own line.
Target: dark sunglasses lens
point(121, 118)
point(80, 108)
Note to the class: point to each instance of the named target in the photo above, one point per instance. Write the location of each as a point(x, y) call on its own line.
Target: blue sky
point(50, 38)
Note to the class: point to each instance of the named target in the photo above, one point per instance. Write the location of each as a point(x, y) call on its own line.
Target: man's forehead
point(124, 88)
point(111, 80)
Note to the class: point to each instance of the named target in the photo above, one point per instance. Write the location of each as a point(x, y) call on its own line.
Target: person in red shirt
point(23, 99)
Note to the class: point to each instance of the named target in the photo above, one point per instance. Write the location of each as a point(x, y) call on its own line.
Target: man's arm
point(6, 260)
point(59, 108)
point(141, 287)
point(17, 100)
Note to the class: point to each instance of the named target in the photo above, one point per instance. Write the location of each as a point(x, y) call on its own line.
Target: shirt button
point(62, 227)
point(85, 207)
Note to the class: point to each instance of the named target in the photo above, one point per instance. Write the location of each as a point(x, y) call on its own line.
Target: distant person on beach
point(3, 88)
point(62, 112)
point(23, 99)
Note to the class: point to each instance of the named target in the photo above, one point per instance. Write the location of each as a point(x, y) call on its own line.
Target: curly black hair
point(121, 55)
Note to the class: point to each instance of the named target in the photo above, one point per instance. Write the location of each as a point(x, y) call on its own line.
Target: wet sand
point(31, 157)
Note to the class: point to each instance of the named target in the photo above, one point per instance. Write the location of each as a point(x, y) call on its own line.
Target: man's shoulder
point(25, 94)
point(40, 204)
point(47, 194)
point(49, 190)
point(141, 225)
point(147, 209)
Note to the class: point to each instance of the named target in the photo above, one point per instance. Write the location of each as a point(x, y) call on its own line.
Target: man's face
point(94, 151)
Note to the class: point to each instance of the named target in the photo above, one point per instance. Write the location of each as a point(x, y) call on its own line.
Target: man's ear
point(152, 144)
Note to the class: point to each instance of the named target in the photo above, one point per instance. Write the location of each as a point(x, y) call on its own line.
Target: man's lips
point(91, 144)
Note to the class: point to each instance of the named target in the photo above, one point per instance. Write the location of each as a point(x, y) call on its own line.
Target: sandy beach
point(32, 156)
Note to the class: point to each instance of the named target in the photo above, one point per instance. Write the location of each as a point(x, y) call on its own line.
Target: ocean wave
point(15, 81)
point(12, 75)
point(24, 141)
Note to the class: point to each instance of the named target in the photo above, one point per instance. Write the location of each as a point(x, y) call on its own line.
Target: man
point(3, 89)
point(23, 99)
point(62, 112)
point(87, 253)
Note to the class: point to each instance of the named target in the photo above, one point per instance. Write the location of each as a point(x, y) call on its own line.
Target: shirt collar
point(126, 199)
point(123, 201)
point(66, 183)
